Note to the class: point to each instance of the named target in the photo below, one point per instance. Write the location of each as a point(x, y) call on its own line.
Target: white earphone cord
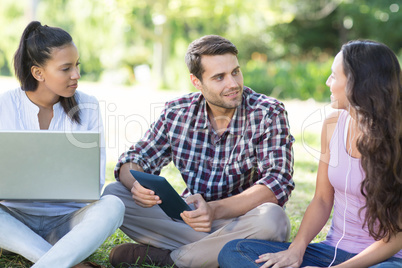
point(346, 196)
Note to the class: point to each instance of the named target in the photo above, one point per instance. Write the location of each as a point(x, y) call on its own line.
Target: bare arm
point(201, 219)
point(242, 203)
point(125, 176)
point(377, 252)
point(319, 210)
point(317, 213)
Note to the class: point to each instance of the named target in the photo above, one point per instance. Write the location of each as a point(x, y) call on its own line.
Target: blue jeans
point(244, 252)
point(60, 241)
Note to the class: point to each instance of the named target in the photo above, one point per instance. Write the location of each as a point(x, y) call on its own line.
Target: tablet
point(172, 203)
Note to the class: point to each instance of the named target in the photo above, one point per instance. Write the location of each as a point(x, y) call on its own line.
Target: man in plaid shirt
point(233, 149)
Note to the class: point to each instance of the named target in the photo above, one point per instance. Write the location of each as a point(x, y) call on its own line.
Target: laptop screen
point(49, 166)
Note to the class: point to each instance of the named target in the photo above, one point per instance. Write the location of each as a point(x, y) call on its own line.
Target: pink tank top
point(346, 172)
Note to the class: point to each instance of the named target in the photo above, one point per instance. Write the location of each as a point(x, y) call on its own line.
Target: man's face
point(222, 83)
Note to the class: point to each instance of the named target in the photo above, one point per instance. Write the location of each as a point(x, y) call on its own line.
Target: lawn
point(304, 177)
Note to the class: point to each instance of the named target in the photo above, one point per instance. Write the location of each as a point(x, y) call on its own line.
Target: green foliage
point(93, 26)
point(13, 261)
point(289, 79)
point(325, 25)
point(11, 18)
point(109, 177)
point(95, 29)
point(285, 46)
point(372, 19)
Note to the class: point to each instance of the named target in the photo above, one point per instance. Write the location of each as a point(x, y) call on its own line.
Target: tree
point(169, 26)
point(336, 22)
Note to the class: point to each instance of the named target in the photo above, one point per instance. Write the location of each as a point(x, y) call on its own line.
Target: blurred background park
point(132, 52)
point(132, 60)
point(286, 47)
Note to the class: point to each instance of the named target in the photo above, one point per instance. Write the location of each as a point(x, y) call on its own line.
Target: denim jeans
point(60, 241)
point(244, 252)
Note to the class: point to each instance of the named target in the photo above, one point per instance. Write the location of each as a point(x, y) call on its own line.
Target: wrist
point(214, 208)
point(298, 247)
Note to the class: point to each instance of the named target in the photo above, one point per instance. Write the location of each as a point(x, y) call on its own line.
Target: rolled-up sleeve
point(275, 156)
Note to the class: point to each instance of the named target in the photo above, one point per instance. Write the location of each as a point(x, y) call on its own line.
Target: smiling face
point(337, 82)
point(59, 76)
point(222, 83)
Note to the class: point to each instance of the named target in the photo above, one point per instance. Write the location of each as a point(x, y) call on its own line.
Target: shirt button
point(207, 190)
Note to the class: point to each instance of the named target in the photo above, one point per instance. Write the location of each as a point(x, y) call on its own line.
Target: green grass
point(304, 176)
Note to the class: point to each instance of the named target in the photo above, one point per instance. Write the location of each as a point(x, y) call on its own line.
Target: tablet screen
point(172, 203)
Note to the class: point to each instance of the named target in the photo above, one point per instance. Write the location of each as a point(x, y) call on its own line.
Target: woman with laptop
point(53, 234)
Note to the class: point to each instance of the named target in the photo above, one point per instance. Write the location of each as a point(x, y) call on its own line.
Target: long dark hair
point(35, 49)
point(374, 90)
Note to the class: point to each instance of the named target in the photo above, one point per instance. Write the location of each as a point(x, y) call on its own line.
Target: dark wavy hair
point(374, 90)
point(35, 49)
point(206, 45)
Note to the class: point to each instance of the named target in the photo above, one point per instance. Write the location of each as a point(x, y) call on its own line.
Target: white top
point(17, 112)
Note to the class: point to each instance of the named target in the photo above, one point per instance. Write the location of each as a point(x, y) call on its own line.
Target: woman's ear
point(37, 73)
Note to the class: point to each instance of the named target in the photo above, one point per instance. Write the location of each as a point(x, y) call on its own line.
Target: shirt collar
point(34, 108)
point(236, 124)
point(28, 104)
point(201, 115)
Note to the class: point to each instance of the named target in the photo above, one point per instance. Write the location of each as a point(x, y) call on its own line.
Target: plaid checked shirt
point(256, 148)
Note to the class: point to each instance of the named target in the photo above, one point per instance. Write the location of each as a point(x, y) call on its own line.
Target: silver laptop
point(49, 166)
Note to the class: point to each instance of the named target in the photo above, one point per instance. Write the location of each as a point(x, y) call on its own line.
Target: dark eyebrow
point(216, 75)
point(219, 74)
point(70, 63)
point(237, 68)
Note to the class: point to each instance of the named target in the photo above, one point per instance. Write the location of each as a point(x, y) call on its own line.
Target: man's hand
point(202, 217)
point(144, 197)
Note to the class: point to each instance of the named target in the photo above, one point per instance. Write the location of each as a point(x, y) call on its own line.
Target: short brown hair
point(206, 45)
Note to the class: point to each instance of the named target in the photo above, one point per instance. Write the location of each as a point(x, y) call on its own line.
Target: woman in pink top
point(359, 174)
